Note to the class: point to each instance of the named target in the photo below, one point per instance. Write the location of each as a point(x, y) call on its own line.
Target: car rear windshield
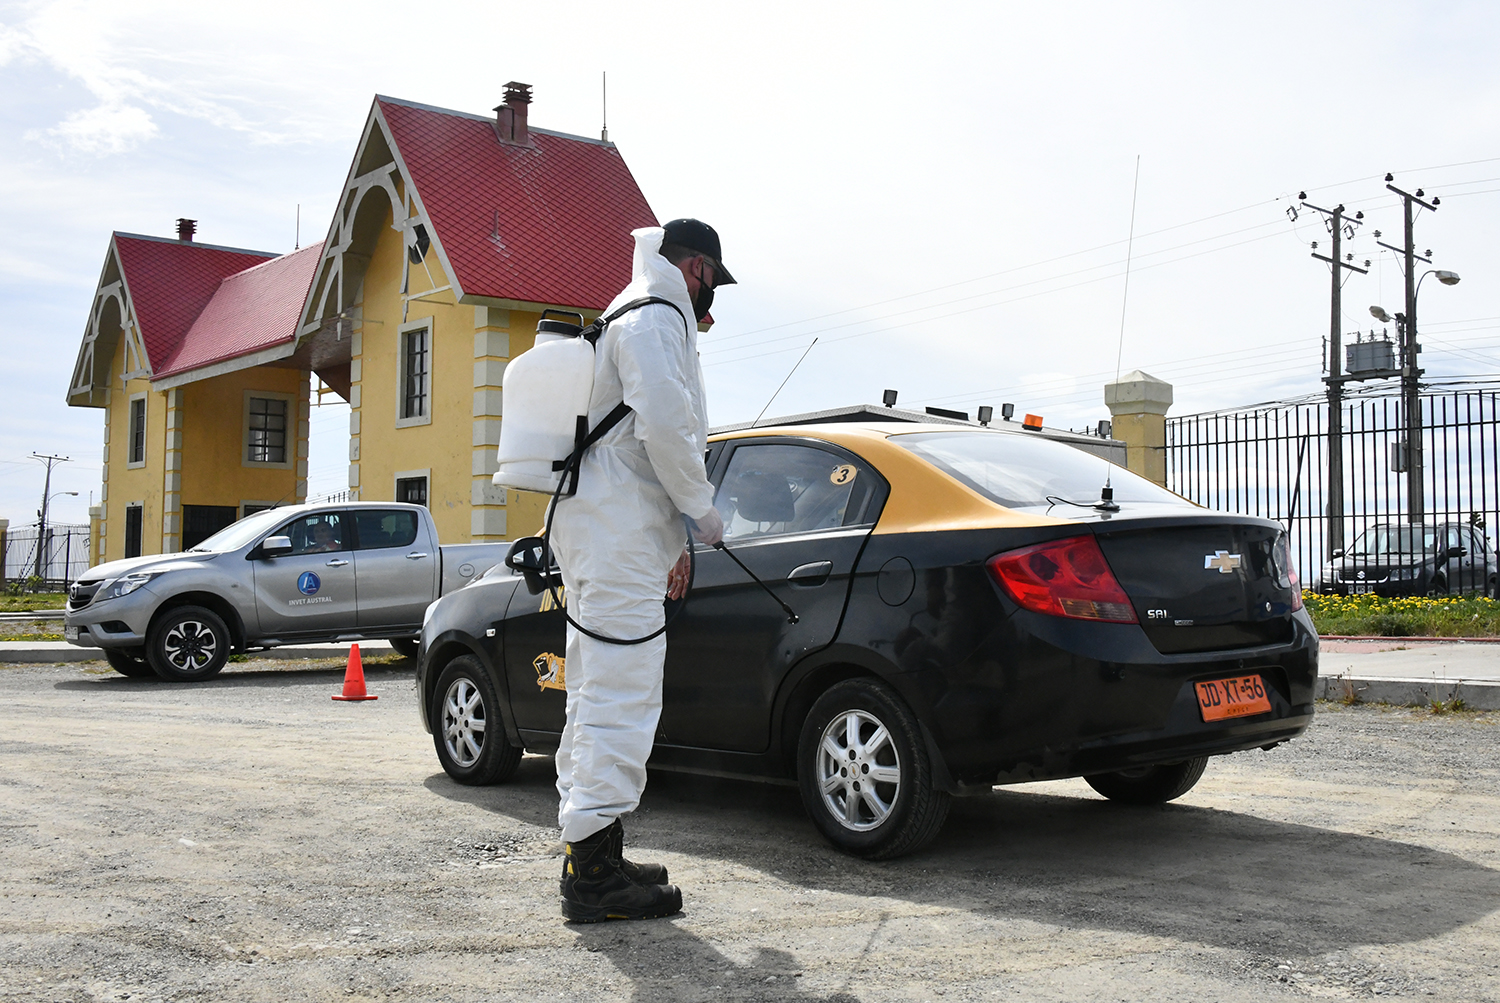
point(1021, 470)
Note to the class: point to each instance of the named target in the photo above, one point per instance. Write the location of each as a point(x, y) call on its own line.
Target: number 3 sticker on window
point(843, 473)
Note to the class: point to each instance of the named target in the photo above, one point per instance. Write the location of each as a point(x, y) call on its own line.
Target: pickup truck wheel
point(466, 726)
point(130, 663)
point(864, 772)
point(406, 647)
point(188, 644)
point(1148, 785)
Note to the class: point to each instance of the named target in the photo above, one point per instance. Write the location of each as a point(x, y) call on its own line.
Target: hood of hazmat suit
point(618, 537)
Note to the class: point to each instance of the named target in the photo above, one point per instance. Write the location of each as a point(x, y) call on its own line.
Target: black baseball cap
point(697, 235)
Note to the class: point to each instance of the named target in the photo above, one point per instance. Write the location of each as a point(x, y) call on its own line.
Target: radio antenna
point(783, 383)
point(1106, 497)
point(604, 104)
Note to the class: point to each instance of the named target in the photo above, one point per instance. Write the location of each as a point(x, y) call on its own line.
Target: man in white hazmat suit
point(618, 541)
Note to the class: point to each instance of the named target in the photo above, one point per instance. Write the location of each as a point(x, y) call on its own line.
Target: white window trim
point(130, 431)
point(292, 419)
point(419, 324)
point(402, 475)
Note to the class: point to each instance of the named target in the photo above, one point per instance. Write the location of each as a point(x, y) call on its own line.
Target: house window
point(132, 531)
point(136, 446)
point(416, 376)
point(412, 490)
point(267, 430)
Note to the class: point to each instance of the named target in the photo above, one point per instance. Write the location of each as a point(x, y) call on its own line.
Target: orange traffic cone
point(354, 679)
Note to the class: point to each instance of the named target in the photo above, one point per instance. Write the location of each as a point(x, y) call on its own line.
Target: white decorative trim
point(418, 324)
point(130, 464)
point(404, 475)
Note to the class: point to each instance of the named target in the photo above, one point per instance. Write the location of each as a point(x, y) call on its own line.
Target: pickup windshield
point(237, 534)
point(1025, 471)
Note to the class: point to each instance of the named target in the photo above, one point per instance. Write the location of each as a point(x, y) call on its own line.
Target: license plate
point(70, 633)
point(1359, 588)
point(1238, 697)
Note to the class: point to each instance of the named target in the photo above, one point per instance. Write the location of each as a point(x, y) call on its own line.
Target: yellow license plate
point(1241, 696)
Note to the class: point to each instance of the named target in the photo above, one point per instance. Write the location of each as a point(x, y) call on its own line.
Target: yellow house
point(453, 233)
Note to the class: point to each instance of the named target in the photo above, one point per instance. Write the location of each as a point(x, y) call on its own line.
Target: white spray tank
point(547, 393)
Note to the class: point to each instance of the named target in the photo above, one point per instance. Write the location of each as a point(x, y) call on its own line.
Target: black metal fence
point(1272, 461)
point(64, 555)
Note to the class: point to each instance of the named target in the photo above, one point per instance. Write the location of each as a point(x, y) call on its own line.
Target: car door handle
point(811, 575)
point(415, 556)
point(336, 563)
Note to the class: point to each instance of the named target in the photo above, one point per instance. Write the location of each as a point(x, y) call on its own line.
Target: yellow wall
point(214, 471)
point(124, 486)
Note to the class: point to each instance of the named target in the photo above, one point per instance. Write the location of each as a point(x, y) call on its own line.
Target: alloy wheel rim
point(190, 646)
point(859, 770)
point(463, 722)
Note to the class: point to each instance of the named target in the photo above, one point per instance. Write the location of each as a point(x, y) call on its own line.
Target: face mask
point(703, 300)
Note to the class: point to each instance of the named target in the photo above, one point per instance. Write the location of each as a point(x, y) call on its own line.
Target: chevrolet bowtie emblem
point(1222, 560)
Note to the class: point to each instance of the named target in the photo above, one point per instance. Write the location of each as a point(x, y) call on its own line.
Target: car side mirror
point(1456, 552)
point(276, 546)
point(1336, 553)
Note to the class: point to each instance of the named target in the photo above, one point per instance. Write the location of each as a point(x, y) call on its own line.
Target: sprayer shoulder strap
point(596, 330)
point(616, 415)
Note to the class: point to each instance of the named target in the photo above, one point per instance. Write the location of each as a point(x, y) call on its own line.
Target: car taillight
point(1063, 578)
point(1284, 559)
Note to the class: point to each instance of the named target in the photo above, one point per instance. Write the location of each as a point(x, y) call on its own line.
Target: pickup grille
point(82, 593)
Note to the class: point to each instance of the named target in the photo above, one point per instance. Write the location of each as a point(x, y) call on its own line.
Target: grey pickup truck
point(335, 572)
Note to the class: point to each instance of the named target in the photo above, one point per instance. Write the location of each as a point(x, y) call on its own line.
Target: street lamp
point(41, 531)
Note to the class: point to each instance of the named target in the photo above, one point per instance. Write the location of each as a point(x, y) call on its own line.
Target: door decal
point(550, 671)
point(309, 583)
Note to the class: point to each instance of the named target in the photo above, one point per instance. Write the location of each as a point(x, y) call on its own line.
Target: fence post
point(1138, 404)
point(4, 548)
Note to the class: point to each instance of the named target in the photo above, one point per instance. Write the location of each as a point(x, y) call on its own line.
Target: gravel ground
point(250, 839)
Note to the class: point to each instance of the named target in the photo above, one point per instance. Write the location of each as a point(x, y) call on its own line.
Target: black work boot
point(641, 874)
point(595, 888)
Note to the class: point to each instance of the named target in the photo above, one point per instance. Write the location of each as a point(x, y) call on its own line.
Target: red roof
point(171, 281)
point(250, 310)
point(563, 209)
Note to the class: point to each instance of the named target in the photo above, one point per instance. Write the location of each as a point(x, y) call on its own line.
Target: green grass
point(1447, 616)
point(28, 601)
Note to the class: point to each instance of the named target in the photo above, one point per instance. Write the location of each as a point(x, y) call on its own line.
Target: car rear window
point(1019, 470)
point(380, 528)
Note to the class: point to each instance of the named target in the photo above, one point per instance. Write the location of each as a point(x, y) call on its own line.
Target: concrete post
point(96, 551)
point(1138, 404)
point(4, 543)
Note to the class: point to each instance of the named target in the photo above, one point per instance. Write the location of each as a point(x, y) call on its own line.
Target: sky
point(945, 196)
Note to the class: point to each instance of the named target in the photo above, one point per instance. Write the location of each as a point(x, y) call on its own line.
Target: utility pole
point(41, 526)
point(1410, 374)
point(1339, 226)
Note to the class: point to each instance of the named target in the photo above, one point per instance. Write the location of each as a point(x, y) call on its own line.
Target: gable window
point(414, 370)
point(267, 424)
point(135, 446)
point(267, 430)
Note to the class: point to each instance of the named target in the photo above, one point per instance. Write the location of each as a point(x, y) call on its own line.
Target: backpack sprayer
point(547, 400)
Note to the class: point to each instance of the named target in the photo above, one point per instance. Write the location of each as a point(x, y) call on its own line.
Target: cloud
point(113, 127)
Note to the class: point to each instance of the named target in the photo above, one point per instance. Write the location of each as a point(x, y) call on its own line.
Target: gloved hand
point(709, 529)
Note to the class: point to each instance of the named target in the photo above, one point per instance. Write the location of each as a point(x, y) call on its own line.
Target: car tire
point(1148, 785)
point(1439, 587)
point(466, 726)
point(188, 644)
point(129, 662)
point(406, 647)
point(897, 814)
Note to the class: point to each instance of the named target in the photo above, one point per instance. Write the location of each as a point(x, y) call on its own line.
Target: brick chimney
point(510, 117)
point(186, 228)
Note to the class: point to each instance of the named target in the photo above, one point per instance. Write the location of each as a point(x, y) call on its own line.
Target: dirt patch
point(250, 839)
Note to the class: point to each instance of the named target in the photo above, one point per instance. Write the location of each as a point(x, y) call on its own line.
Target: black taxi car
point(973, 609)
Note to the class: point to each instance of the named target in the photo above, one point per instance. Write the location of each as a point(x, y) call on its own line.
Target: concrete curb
point(1476, 695)
point(52, 652)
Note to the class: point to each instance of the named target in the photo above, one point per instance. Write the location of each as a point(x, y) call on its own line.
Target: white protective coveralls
point(617, 539)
